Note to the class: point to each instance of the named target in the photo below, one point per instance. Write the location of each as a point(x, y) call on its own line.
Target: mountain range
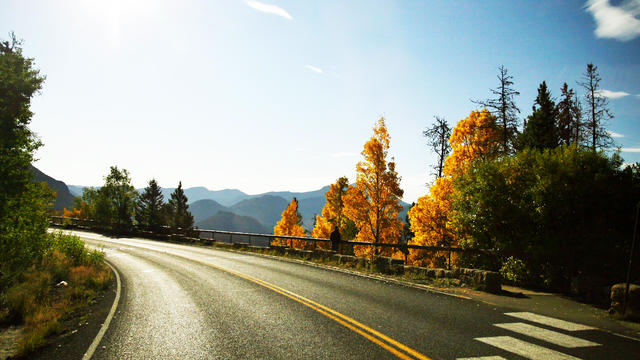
point(64, 198)
point(234, 210)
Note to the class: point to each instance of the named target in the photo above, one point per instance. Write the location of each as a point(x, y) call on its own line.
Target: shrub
point(514, 270)
point(69, 245)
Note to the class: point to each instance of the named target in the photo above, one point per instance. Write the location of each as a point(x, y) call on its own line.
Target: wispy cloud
point(343, 154)
point(615, 134)
point(270, 9)
point(612, 94)
point(631, 149)
point(615, 22)
point(314, 69)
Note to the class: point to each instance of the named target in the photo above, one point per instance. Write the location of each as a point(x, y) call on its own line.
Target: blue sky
point(282, 95)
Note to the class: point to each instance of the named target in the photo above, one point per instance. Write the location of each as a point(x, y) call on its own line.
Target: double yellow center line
point(398, 349)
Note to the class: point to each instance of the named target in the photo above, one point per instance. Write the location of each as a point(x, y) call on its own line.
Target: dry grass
point(37, 302)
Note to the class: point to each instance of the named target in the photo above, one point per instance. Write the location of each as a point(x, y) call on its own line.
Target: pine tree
point(569, 115)
point(505, 109)
point(540, 131)
point(597, 113)
point(149, 207)
point(290, 224)
point(373, 204)
point(438, 140)
point(177, 211)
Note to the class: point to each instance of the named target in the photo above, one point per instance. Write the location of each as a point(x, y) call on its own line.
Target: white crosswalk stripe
point(525, 349)
point(549, 321)
point(533, 351)
point(547, 335)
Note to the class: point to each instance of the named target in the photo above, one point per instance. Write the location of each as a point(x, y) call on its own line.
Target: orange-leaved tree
point(475, 137)
point(373, 203)
point(333, 213)
point(290, 224)
point(80, 210)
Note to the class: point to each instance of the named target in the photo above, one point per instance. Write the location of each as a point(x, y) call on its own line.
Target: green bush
point(514, 270)
point(565, 212)
point(69, 245)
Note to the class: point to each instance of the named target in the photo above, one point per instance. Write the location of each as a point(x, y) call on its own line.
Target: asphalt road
point(182, 302)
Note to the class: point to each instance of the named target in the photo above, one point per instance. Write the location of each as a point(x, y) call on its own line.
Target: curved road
point(182, 302)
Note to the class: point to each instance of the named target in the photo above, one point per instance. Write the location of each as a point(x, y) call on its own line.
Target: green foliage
point(177, 211)
point(121, 196)
point(569, 120)
point(540, 131)
point(69, 245)
point(74, 249)
point(149, 207)
point(514, 270)
point(113, 204)
point(19, 82)
point(565, 211)
point(23, 204)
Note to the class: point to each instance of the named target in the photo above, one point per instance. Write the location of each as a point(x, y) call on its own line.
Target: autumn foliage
point(290, 224)
point(475, 137)
point(372, 203)
point(333, 213)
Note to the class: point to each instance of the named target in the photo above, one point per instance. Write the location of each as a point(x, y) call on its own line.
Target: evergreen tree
point(540, 131)
point(438, 140)
point(504, 109)
point(177, 211)
point(149, 206)
point(569, 115)
point(597, 112)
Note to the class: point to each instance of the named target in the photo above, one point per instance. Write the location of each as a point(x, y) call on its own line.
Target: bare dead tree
point(597, 113)
point(504, 108)
point(438, 136)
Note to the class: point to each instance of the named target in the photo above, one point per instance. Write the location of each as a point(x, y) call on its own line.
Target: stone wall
point(489, 281)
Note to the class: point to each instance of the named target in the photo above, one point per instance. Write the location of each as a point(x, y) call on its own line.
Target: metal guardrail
point(265, 240)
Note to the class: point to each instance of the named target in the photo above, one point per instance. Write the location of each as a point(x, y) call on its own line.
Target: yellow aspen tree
point(332, 212)
point(290, 224)
point(373, 203)
point(475, 137)
point(432, 228)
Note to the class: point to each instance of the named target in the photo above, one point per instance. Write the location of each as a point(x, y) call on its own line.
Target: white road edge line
point(105, 325)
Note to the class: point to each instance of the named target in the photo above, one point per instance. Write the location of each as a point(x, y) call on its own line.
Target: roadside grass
point(42, 302)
